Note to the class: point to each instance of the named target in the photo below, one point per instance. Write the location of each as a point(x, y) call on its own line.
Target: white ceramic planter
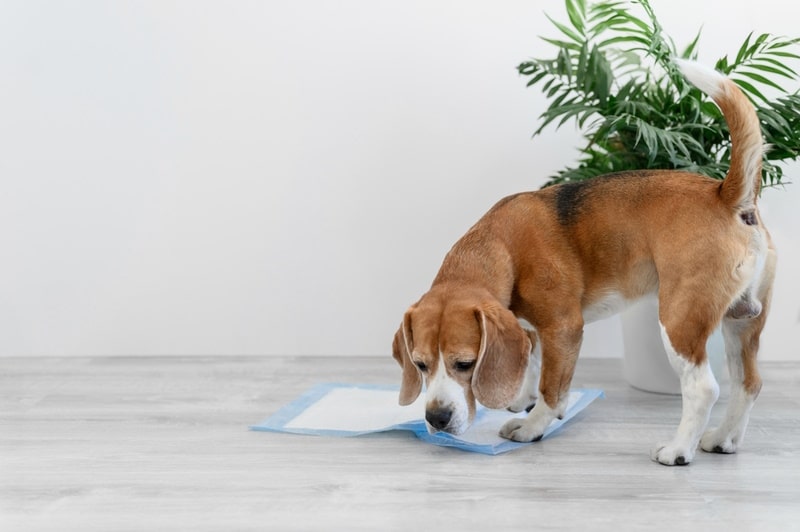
point(646, 365)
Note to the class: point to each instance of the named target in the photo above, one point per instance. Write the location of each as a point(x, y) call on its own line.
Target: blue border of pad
point(278, 421)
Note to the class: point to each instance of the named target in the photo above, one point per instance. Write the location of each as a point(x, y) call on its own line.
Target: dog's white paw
point(671, 454)
point(532, 427)
point(715, 442)
point(522, 430)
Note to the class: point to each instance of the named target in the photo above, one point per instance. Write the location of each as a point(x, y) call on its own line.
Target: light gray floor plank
point(162, 443)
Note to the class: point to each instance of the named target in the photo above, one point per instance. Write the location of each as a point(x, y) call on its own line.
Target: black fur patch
point(570, 197)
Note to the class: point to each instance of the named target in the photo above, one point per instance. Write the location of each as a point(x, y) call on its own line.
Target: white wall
point(209, 177)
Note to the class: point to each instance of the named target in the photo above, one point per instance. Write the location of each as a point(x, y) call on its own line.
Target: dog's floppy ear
point(502, 357)
point(402, 345)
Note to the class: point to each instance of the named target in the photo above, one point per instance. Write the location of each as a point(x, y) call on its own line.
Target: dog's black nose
point(438, 418)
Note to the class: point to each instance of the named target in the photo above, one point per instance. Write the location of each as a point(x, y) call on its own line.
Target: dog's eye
point(421, 366)
point(464, 365)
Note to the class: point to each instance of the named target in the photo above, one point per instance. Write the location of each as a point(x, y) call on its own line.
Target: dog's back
point(619, 234)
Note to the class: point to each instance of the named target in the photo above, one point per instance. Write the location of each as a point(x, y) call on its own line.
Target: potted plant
point(613, 75)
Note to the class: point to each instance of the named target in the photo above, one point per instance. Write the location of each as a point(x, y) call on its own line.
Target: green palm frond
point(613, 76)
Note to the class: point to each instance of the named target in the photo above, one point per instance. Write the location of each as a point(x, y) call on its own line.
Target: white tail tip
point(701, 76)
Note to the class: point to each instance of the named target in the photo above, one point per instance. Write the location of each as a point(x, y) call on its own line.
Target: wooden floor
point(109, 444)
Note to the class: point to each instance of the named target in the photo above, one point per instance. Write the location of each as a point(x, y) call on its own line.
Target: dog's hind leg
point(741, 340)
point(685, 327)
point(741, 347)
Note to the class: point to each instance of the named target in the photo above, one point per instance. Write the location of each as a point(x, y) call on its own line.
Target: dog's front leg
point(559, 354)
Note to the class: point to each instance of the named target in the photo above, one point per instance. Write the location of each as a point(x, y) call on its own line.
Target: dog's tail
point(743, 182)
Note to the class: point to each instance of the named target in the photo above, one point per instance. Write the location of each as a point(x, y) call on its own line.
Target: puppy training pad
point(333, 409)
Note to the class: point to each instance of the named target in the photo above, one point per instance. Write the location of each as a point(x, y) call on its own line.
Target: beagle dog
point(573, 253)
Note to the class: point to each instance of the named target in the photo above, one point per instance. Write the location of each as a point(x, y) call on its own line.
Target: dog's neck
point(486, 266)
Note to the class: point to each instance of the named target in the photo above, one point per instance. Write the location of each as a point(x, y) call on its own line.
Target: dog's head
point(465, 347)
